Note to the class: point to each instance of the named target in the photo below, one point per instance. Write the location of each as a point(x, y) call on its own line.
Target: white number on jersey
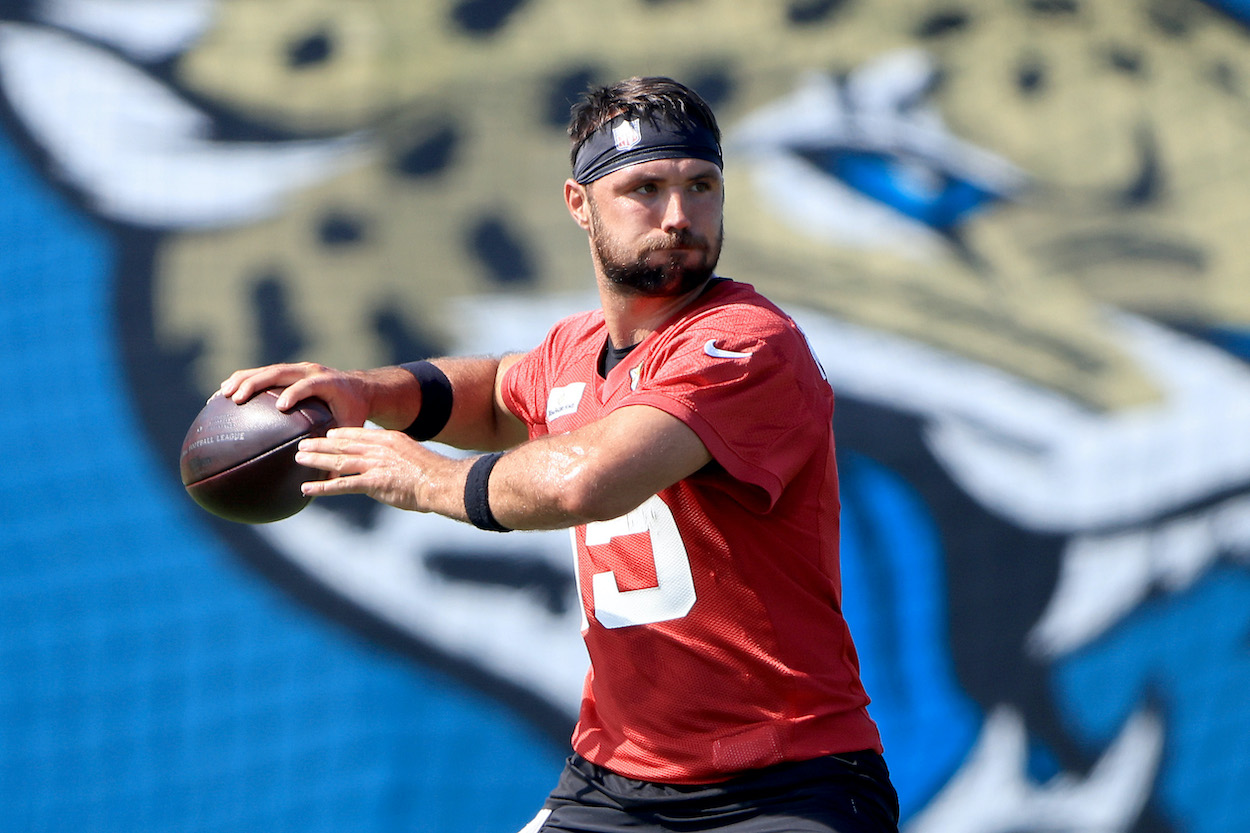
point(674, 594)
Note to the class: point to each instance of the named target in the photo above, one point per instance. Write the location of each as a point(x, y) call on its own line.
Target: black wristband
point(435, 400)
point(477, 494)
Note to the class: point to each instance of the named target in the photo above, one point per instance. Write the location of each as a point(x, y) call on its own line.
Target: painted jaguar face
point(891, 164)
point(1010, 230)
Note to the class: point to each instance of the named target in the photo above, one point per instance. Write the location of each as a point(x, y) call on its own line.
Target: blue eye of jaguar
point(1232, 340)
point(918, 190)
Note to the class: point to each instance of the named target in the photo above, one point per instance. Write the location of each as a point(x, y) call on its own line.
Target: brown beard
point(672, 278)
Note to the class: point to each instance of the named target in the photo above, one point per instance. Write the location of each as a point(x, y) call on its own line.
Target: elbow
point(560, 484)
point(589, 499)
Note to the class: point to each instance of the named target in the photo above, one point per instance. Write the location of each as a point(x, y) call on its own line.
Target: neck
point(631, 317)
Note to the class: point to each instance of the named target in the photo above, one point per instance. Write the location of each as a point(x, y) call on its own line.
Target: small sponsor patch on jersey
point(564, 400)
point(635, 373)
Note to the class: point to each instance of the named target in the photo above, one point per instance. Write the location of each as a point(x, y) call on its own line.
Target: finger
point(342, 441)
point(338, 462)
point(333, 388)
point(232, 382)
point(294, 393)
point(334, 486)
point(242, 385)
point(374, 437)
point(341, 451)
point(354, 433)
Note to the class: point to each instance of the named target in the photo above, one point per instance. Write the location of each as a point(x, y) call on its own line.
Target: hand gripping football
point(238, 461)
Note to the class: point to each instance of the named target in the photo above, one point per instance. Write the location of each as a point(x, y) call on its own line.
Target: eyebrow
point(638, 176)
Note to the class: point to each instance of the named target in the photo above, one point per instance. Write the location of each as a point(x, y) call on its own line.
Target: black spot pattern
point(278, 333)
point(338, 228)
point(1053, 8)
point(809, 12)
point(564, 90)
point(484, 17)
point(1031, 76)
point(503, 256)
point(1170, 18)
point(430, 152)
point(403, 342)
point(315, 49)
point(1126, 60)
point(943, 23)
point(714, 84)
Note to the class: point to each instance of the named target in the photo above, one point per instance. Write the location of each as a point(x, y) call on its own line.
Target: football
point(238, 461)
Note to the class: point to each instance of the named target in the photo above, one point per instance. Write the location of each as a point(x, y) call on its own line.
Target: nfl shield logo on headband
point(627, 135)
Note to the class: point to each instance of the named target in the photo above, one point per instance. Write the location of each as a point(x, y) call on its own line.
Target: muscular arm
point(479, 419)
point(598, 472)
point(390, 397)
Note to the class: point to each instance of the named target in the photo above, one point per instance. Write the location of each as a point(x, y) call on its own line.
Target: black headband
point(626, 141)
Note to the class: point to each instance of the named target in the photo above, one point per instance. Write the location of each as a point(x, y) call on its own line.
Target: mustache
point(680, 239)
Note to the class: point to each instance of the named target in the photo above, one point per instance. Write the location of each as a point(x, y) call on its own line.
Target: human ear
point(577, 201)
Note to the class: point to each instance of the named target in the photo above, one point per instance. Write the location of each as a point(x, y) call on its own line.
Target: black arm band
point(477, 494)
point(435, 400)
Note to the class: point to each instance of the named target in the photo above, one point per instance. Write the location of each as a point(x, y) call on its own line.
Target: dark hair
point(651, 97)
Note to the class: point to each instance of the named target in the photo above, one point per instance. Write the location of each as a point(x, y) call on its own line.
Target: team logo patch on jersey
point(564, 400)
point(627, 134)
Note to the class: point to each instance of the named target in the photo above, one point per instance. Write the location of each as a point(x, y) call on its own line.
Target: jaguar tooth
point(140, 153)
point(993, 792)
point(1104, 577)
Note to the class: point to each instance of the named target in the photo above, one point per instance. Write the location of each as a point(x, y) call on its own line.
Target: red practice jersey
point(712, 611)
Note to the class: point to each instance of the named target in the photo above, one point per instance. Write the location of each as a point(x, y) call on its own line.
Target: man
point(684, 431)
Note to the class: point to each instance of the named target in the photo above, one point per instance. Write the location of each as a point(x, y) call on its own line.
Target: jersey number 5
point(674, 594)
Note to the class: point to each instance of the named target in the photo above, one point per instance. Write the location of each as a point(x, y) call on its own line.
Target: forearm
point(477, 419)
point(527, 488)
point(392, 397)
point(598, 472)
point(544, 484)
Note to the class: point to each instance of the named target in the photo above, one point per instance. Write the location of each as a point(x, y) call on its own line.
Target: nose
point(675, 217)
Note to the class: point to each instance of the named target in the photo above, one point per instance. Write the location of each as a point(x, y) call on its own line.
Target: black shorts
point(848, 793)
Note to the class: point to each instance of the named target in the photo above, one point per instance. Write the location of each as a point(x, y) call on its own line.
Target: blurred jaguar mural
point(1014, 231)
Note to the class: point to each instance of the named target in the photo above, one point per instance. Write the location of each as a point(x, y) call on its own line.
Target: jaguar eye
point(866, 158)
point(923, 190)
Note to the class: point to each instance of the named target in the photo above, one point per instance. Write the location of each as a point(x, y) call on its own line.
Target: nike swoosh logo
point(717, 353)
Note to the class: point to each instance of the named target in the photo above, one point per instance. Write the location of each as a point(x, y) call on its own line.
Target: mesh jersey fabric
point(712, 611)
